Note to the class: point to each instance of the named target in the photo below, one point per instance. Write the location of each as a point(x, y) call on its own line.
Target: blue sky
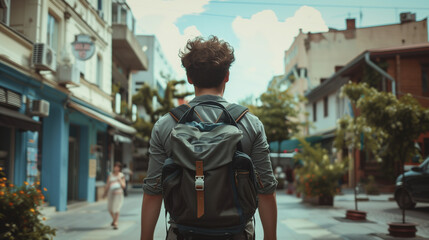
point(260, 31)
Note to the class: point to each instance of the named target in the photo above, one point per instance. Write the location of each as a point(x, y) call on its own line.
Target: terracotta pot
point(356, 215)
point(405, 230)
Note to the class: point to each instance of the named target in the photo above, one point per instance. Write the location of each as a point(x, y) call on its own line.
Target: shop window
point(101, 157)
point(52, 33)
point(314, 111)
point(425, 79)
point(6, 151)
point(325, 106)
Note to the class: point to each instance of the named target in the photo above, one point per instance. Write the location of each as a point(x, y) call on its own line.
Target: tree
point(353, 133)
point(145, 97)
point(278, 112)
point(401, 121)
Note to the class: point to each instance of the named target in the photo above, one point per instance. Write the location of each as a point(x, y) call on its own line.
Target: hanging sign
point(83, 47)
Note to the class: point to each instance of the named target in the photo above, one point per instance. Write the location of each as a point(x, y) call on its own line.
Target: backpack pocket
point(171, 181)
point(246, 192)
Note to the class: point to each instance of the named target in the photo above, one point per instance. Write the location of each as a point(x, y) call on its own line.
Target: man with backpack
point(209, 160)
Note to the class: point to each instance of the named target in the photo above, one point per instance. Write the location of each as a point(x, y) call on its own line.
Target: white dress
point(116, 194)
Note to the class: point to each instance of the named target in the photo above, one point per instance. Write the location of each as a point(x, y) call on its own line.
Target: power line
point(318, 5)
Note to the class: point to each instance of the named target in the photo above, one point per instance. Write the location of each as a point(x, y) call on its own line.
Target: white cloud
point(263, 40)
point(158, 18)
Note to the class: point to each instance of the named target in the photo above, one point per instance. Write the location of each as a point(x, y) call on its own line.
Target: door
point(73, 170)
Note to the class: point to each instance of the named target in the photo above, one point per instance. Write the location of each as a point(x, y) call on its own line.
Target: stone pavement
point(296, 220)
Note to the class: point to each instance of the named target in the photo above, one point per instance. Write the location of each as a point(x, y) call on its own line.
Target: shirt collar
point(204, 98)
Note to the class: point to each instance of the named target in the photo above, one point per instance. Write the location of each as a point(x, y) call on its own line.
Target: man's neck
point(209, 91)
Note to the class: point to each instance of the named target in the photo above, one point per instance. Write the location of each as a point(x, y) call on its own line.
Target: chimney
point(351, 23)
point(407, 17)
point(338, 68)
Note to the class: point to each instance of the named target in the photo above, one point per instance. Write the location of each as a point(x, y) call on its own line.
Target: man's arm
point(268, 214)
point(151, 207)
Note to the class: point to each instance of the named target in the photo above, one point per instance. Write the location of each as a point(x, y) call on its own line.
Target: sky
point(260, 31)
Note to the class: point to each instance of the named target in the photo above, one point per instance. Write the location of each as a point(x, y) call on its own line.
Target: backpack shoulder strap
point(237, 111)
point(178, 112)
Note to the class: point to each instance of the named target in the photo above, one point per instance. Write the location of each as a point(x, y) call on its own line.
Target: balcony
point(126, 48)
point(15, 48)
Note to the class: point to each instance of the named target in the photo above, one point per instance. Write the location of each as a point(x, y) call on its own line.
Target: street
point(296, 220)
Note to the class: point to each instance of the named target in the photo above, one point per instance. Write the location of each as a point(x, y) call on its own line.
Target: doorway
point(73, 170)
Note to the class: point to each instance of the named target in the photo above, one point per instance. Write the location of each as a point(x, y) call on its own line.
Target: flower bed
point(20, 217)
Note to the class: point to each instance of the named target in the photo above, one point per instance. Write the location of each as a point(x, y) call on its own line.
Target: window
point(314, 111)
point(4, 11)
point(100, 5)
point(52, 33)
point(425, 79)
point(325, 106)
point(100, 8)
point(99, 76)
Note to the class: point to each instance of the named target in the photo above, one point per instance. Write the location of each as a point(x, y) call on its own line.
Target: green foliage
point(125, 110)
point(20, 218)
point(145, 97)
point(318, 175)
point(371, 76)
point(278, 112)
point(398, 122)
point(371, 187)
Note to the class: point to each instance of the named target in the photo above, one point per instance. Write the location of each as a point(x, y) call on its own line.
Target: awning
point(103, 118)
point(11, 118)
point(292, 144)
point(121, 139)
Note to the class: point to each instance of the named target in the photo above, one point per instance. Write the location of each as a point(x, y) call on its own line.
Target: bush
point(20, 218)
point(371, 187)
point(318, 176)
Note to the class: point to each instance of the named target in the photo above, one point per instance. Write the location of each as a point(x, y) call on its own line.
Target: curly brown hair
point(207, 61)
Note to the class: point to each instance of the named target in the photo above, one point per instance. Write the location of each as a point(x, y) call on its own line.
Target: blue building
point(57, 125)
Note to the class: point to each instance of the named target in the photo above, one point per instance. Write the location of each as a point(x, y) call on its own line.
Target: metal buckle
point(199, 183)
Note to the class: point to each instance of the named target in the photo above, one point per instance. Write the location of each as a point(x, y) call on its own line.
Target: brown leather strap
point(199, 174)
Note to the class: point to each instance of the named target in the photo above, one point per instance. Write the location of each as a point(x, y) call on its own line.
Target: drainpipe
point(381, 71)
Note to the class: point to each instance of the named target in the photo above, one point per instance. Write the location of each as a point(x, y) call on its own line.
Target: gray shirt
point(254, 144)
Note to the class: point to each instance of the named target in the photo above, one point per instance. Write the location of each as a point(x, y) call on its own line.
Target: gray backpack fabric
point(208, 184)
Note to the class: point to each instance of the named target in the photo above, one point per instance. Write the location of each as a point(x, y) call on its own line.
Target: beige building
point(314, 57)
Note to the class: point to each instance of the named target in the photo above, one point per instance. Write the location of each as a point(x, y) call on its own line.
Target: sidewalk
point(296, 220)
point(307, 221)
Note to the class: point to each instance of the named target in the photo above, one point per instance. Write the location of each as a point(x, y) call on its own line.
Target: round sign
point(83, 47)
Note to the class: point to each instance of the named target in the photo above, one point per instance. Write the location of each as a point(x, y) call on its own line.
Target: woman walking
point(114, 192)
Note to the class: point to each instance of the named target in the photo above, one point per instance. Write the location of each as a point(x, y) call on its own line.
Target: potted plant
point(318, 177)
point(20, 217)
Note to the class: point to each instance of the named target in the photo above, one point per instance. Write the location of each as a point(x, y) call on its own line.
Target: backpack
point(208, 183)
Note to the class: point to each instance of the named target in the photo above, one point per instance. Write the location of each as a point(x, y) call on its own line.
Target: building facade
point(314, 57)
point(56, 63)
point(404, 71)
point(159, 70)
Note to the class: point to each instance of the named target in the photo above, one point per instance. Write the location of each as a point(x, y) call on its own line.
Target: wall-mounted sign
point(83, 47)
point(92, 168)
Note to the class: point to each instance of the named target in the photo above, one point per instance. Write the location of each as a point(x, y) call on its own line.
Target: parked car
point(415, 187)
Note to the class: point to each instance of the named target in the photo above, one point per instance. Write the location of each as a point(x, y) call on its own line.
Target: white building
point(159, 70)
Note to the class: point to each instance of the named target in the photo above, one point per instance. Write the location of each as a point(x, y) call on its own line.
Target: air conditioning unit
point(44, 58)
point(407, 17)
point(68, 74)
point(40, 108)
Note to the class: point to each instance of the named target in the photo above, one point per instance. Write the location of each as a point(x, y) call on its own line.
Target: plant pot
point(356, 215)
point(324, 200)
point(405, 230)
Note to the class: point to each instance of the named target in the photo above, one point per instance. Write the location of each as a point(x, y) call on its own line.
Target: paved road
point(296, 220)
